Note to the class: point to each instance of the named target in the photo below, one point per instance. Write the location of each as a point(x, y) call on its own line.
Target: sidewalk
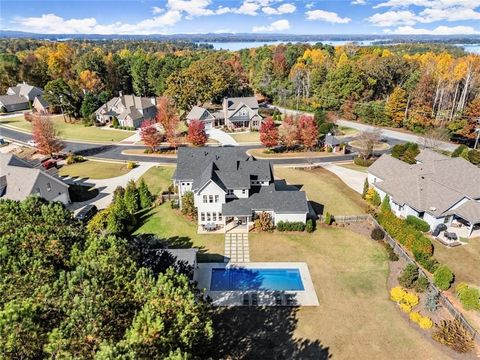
point(354, 179)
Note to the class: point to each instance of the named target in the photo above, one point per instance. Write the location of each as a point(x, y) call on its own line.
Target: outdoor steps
point(236, 247)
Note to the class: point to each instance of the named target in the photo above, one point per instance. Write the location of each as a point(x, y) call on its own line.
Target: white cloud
point(282, 9)
point(310, 5)
point(248, 8)
point(394, 18)
point(157, 10)
point(358, 2)
point(440, 30)
point(279, 25)
point(439, 4)
point(451, 14)
point(327, 16)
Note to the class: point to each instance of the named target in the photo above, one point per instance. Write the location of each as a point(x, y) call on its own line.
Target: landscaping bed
point(94, 169)
point(261, 154)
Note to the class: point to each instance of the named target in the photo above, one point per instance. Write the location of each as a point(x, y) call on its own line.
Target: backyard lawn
point(355, 319)
point(355, 167)
point(94, 169)
point(325, 189)
point(158, 178)
point(463, 260)
point(246, 137)
point(72, 131)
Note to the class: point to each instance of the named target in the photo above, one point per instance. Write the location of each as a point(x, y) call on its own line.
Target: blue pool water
point(256, 279)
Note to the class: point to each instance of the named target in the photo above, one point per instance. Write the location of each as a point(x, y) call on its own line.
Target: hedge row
point(417, 223)
point(290, 226)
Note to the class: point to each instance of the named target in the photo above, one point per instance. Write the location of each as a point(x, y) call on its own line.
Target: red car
point(49, 164)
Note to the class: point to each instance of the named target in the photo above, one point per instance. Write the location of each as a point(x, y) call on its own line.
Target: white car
point(32, 143)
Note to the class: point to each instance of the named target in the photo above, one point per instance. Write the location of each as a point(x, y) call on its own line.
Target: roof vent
point(433, 208)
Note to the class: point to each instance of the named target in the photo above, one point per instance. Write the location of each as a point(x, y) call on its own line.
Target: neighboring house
point(19, 97)
point(40, 105)
point(231, 189)
point(236, 113)
point(333, 143)
point(19, 179)
point(437, 189)
point(130, 110)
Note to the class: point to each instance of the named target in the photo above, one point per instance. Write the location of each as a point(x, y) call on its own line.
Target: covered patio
point(466, 219)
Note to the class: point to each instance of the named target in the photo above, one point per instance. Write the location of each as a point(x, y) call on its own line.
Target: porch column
point(470, 231)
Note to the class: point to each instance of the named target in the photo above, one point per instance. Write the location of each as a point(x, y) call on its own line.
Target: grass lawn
point(355, 319)
point(348, 131)
point(73, 131)
point(463, 260)
point(94, 169)
point(251, 136)
point(355, 167)
point(325, 189)
point(158, 178)
point(171, 225)
point(377, 147)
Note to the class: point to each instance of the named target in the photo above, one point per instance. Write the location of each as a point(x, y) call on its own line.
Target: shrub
point(372, 197)
point(328, 218)
point(115, 122)
point(131, 165)
point(468, 296)
point(310, 227)
point(443, 277)
point(188, 206)
point(386, 204)
point(429, 263)
point(431, 300)
point(417, 223)
point(454, 335)
point(397, 294)
point(409, 276)
point(264, 222)
point(290, 226)
point(405, 307)
point(391, 254)
point(415, 316)
point(425, 322)
point(377, 234)
point(421, 284)
point(366, 186)
point(459, 150)
point(363, 162)
point(410, 299)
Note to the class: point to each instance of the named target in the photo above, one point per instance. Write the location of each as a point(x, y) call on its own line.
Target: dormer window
point(229, 192)
point(243, 112)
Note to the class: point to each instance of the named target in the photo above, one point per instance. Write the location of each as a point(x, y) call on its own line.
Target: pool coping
point(306, 297)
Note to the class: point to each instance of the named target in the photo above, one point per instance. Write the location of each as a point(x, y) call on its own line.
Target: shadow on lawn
point(262, 333)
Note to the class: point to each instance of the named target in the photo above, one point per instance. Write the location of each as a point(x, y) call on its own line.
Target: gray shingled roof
point(131, 103)
point(470, 211)
point(433, 185)
point(198, 113)
point(268, 198)
point(12, 100)
point(250, 101)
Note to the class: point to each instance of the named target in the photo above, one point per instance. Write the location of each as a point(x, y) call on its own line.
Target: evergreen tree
point(366, 186)
point(145, 195)
point(132, 198)
point(386, 204)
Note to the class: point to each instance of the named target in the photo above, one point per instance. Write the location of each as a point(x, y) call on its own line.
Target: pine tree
point(132, 199)
point(145, 195)
point(366, 186)
point(386, 204)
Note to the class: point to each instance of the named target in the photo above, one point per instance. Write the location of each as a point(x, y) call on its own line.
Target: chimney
point(120, 93)
point(153, 100)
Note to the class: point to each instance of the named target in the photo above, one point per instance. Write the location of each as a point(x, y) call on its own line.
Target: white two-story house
point(438, 189)
point(231, 188)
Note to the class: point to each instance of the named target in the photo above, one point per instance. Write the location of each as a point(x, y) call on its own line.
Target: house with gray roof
point(239, 112)
point(130, 110)
point(437, 188)
point(231, 189)
point(19, 179)
point(20, 97)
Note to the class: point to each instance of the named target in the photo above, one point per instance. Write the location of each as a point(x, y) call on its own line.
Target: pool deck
point(306, 297)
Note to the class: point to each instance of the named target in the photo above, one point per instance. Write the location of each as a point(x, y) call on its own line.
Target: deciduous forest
point(412, 87)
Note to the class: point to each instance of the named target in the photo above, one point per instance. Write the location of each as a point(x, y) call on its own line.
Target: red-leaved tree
point(45, 135)
point(196, 133)
point(168, 118)
point(308, 131)
point(269, 133)
point(150, 135)
point(288, 132)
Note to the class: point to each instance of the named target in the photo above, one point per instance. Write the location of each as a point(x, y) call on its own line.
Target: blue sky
point(242, 16)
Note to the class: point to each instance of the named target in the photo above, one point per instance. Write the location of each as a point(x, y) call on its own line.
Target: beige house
point(19, 97)
point(438, 189)
point(240, 112)
point(19, 179)
point(130, 110)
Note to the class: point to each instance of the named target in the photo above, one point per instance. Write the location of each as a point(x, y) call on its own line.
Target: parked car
point(3, 142)
point(32, 143)
point(48, 164)
point(85, 214)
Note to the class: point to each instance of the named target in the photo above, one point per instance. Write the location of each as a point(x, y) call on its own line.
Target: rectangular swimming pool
point(256, 279)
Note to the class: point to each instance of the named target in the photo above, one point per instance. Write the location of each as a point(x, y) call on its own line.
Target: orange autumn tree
point(288, 132)
point(168, 118)
point(45, 135)
point(150, 135)
point(269, 133)
point(307, 131)
point(196, 133)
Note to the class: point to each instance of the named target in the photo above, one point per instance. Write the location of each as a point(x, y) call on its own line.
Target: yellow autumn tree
point(396, 105)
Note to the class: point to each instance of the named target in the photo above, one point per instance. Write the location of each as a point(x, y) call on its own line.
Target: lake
point(238, 45)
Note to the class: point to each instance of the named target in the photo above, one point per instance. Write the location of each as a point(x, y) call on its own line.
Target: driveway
point(354, 179)
point(106, 187)
point(222, 137)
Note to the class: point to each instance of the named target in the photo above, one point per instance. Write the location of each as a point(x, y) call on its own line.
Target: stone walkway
point(236, 247)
